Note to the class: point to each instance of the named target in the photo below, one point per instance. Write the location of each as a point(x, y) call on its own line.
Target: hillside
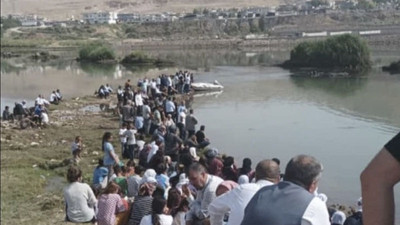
point(62, 9)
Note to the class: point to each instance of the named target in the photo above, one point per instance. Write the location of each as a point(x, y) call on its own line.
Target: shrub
point(96, 52)
point(345, 52)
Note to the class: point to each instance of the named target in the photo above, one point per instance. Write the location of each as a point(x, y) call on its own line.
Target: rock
point(36, 136)
point(95, 153)
point(63, 141)
point(43, 177)
point(9, 137)
point(34, 144)
point(77, 99)
point(34, 165)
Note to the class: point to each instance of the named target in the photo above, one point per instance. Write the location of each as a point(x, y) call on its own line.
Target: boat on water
point(215, 86)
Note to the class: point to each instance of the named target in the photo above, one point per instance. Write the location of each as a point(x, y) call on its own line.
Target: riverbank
point(34, 161)
point(42, 156)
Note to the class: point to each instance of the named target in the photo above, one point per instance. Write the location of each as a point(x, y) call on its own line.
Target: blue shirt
point(99, 174)
point(162, 180)
point(169, 107)
point(139, 122)
point(108, 149)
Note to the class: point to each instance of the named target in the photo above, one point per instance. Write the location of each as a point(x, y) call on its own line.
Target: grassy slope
point(30, 190)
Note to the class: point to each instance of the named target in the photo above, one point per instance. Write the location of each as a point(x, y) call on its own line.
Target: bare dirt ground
point(63, 9)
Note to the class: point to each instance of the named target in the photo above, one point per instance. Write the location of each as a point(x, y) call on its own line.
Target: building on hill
point(100, 18)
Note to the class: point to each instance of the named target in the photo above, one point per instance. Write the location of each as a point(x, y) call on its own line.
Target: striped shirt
point(140, 208)
point(108, 206)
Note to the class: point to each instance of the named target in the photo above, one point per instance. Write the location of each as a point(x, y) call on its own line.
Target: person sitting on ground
point(100, 176)
point(246, 169)
point(158, 213)
point(214, 164)
point(133, 181)
point(79, 198)
point(229, 171)
point(235, 201)
point(143, 202)
point(120, 179)
point(161, 177)
point(178, 206)
point(59, 96)
point(192, 142)
point(76, 148)
point(377, 184)
point(109, 204)
point(53, 98)
point(206, 186)
point(356, 218)
point(109, 89)
point(201, 137)
point(290, 201)
point(102, 92)
point(338, 218)
point(6, 114)
point(19, 111)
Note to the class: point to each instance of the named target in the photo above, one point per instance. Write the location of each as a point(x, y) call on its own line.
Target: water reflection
point(99, 69)
point(340, 87)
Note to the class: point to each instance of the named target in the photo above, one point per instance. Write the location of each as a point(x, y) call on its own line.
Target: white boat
point(216, 86)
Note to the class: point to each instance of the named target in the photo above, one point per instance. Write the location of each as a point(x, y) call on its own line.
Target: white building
point(128, 17)
point(100, 18)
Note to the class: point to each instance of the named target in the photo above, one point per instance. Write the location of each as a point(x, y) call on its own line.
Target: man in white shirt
point(131, 140)
point(169, 107)
point(53, 98)
point(206, 186)
point(235, 201)
point(291, 201)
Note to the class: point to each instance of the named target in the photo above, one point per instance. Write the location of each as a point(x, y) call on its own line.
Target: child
point(77, 148)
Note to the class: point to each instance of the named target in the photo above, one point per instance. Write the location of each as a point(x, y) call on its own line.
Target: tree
point(345, 52)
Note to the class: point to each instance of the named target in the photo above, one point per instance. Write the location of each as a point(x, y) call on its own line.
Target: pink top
point(108, 206)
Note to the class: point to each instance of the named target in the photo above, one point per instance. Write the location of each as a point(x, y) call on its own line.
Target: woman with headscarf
point(142, 204)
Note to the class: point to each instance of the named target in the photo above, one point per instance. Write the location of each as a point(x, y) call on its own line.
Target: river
point(262, 113)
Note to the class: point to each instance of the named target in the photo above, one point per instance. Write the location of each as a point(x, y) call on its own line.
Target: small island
point(96, 53)
point(101, 53)
point(344, 55)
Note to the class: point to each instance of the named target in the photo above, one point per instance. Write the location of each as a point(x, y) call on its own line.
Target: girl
point(157, 216)
point(109, 204)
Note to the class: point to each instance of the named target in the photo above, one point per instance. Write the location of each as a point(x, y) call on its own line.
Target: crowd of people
point(164, 172)
point(34, 116)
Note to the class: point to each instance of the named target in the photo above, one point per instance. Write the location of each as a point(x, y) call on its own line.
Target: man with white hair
point(206, 186)
point(235, 201)
point(291, 201)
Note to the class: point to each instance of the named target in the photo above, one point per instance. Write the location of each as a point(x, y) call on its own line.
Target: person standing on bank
point(291, 201)
point(110, 158)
